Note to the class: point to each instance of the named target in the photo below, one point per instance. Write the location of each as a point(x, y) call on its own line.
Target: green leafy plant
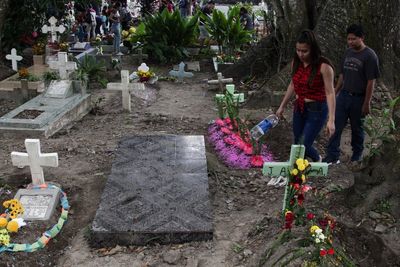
point(49, 76)
point(91, 70)
point(379, 126)
point(227, 30)
point(166, 35)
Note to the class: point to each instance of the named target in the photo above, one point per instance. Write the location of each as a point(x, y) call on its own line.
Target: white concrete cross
point(53, 29)
point(180, 74)
point(125, 87)
point(221, 81)
point(14, 58)
point(35, 160)
point(62, 65)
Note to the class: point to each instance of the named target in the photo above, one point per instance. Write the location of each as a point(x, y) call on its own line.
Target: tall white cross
point(62, 65)
point(220, 81)
point(14, 58)
point(35, 160)
point(125, 87)
point(53, 29)
point(181, 73)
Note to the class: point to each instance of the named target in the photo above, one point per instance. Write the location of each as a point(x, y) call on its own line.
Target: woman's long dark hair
point(308, 37)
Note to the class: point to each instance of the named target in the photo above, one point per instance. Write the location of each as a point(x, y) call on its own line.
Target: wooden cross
point(62, 65)
point(35, 160)
point(180, 74)
point(221, 99)
point(14, 58)
point(125, 87)
point(284, 168)
point(221, 81)
point(53, 29)
point(140, 56)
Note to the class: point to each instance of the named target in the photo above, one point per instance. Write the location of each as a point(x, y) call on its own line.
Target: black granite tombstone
point(157, 192)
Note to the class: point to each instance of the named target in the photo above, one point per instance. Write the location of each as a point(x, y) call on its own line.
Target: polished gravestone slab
point(157, 192)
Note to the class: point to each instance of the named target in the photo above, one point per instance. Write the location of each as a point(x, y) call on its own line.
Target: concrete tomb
point(157, 192)
point(63, 66)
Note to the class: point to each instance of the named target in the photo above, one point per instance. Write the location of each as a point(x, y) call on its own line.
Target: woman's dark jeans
point(308, 124)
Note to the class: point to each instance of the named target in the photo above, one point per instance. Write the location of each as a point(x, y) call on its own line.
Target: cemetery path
point(245, 209)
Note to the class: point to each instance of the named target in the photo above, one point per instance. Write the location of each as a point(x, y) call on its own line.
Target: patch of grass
point(237, 248)
point(383, 206)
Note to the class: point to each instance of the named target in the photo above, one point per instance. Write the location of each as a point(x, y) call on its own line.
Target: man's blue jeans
point(116, 29)
point(308, 124)
point(348, 107)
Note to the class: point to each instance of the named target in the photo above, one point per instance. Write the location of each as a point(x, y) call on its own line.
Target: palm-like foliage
point(165, 35)
point(227, 30)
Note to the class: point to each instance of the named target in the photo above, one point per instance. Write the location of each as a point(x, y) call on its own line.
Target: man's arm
point(366, 109)
point(339, 84)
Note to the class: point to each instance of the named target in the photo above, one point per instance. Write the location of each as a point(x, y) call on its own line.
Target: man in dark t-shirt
point(354, 89)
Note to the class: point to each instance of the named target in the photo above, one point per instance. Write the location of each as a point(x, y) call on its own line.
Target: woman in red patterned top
point(312, 82)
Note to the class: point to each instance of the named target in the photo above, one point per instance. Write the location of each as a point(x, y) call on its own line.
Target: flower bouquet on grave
point(228, 58)
point(144, 75)
point(96, 42)
point(38, 48)
point(23, 74)
point(10, 221)
point(63, 47)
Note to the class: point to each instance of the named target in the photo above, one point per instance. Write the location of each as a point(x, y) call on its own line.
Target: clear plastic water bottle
point(263, 126)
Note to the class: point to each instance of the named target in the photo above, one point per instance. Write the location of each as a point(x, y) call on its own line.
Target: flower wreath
point(47, 235)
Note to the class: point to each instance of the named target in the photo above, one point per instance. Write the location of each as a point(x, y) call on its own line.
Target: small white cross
point(53, 29)
point(35, 160)
point(125, 87)
point(221, 81)
point(181, 73)
point(62, 65)
point(14, 58)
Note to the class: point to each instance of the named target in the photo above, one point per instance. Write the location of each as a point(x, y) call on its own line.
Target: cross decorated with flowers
point(53, 29)
point(222, 98)
point(285, 168)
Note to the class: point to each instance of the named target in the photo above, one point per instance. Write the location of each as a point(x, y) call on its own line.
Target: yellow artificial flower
point(6, 204)
point(313, 229)
point(12, 227)
point(303, 178)
point(295, 172)
point(306, 163)
point(301, 167)
point(3, 222)
point(299, 162)
point(132, 30)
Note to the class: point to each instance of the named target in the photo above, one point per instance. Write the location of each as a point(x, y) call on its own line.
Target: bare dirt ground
point(246, 210)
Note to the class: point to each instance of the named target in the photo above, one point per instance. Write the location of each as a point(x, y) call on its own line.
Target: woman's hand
point(279, 112)
point(330, 128)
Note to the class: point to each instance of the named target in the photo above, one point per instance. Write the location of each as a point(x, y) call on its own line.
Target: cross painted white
point(62, 65)
point(35, 160)
point(14, 58)
point(125, 87)
point(53, 29)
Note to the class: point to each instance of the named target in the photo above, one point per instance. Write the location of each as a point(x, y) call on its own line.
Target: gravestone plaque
point(157, 192)
point(59, 89)
point(40, 204)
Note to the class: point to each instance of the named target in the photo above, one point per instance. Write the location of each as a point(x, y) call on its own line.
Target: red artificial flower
point(257, 161)
point(288, 225)
point(331, 251)
point(322, 252)
point(289, 216)
point(300, 199)
point(225, 130)
point(323, 223)
point(229, 140)
point(248, 149)
point(227, 121)
point(296, 186)
point(310, 216)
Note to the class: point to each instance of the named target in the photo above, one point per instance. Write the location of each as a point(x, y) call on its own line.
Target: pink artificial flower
point(225, 130)
point(220, 122)
point(248, 149)
point(306, 188)
point(34, 34)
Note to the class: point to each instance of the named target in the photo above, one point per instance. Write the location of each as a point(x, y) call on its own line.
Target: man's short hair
point(356, 29)
point(210, 2)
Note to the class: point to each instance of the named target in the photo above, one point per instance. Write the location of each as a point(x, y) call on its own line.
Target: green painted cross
point(221, 99)
point(284, 168)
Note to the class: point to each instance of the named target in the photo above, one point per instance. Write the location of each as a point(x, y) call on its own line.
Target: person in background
point(184, 6)
point(207, 10)
point(246, 20)
point(354, 89)
point(312, 83)
point(116, 28)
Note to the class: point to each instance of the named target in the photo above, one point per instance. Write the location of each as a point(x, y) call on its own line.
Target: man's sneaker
point(331, 160)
